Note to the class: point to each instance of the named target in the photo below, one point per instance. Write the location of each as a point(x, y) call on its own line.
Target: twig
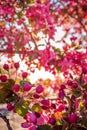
point(9, 51)
point(6, 121)
point(77, 19)
point(36, 47)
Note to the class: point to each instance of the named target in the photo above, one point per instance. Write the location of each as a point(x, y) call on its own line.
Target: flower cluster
point(45, 102)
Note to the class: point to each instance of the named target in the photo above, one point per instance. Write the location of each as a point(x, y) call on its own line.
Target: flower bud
point(9, 106)
point(74, 85)
point(69, 82)
point(52, 121)
point(61, 94)
point(3, 78)
point(39, 89)
point(16, 65)
point(16, 87)
point(33, 117)
point(6, 67)
point(24, 75)
point(27, 87)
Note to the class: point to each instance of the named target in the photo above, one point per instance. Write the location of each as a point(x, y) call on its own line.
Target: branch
point(36, 47)
point(77, 19)
point(6, 121)
point(9, 51)
point(65, 35)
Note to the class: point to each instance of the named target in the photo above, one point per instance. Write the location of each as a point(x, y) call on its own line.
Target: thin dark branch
point(36, 47)
point(65, 35)
point(6, 121)
point(9, 51)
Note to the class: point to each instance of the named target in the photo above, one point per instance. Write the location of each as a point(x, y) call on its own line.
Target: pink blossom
point(32, 128)
point(40, 121)
point(25, 125)
point(33, 117)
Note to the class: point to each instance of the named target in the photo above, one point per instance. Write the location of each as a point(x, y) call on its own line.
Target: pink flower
point(9, 10)
point(40, 120)
point(36, 96)
point(27, 117)
point(21, 21)
point(33, 117)
point(32, 128)
point(25, 125)
point(73, 38)
point(84, 70)
point(46, 57)
point(61, 108)
point(65, 64)
point(45, 102)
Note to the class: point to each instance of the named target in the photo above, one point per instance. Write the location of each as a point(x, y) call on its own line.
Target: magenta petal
point(32, 128)
point(40, 121)
point(33, 117)
point(25, 125)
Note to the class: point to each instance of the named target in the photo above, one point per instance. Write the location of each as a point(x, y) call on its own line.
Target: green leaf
point(21, 107)
point(8, 85)
point(58, 50)
point(76, 93)
point(58, 122)
point(19, 14)
point(81, 105)
point(3, 71)
point(11, 98)
point(5, 94)
point(44, 127)
point(78, 47)
point(58, 69)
